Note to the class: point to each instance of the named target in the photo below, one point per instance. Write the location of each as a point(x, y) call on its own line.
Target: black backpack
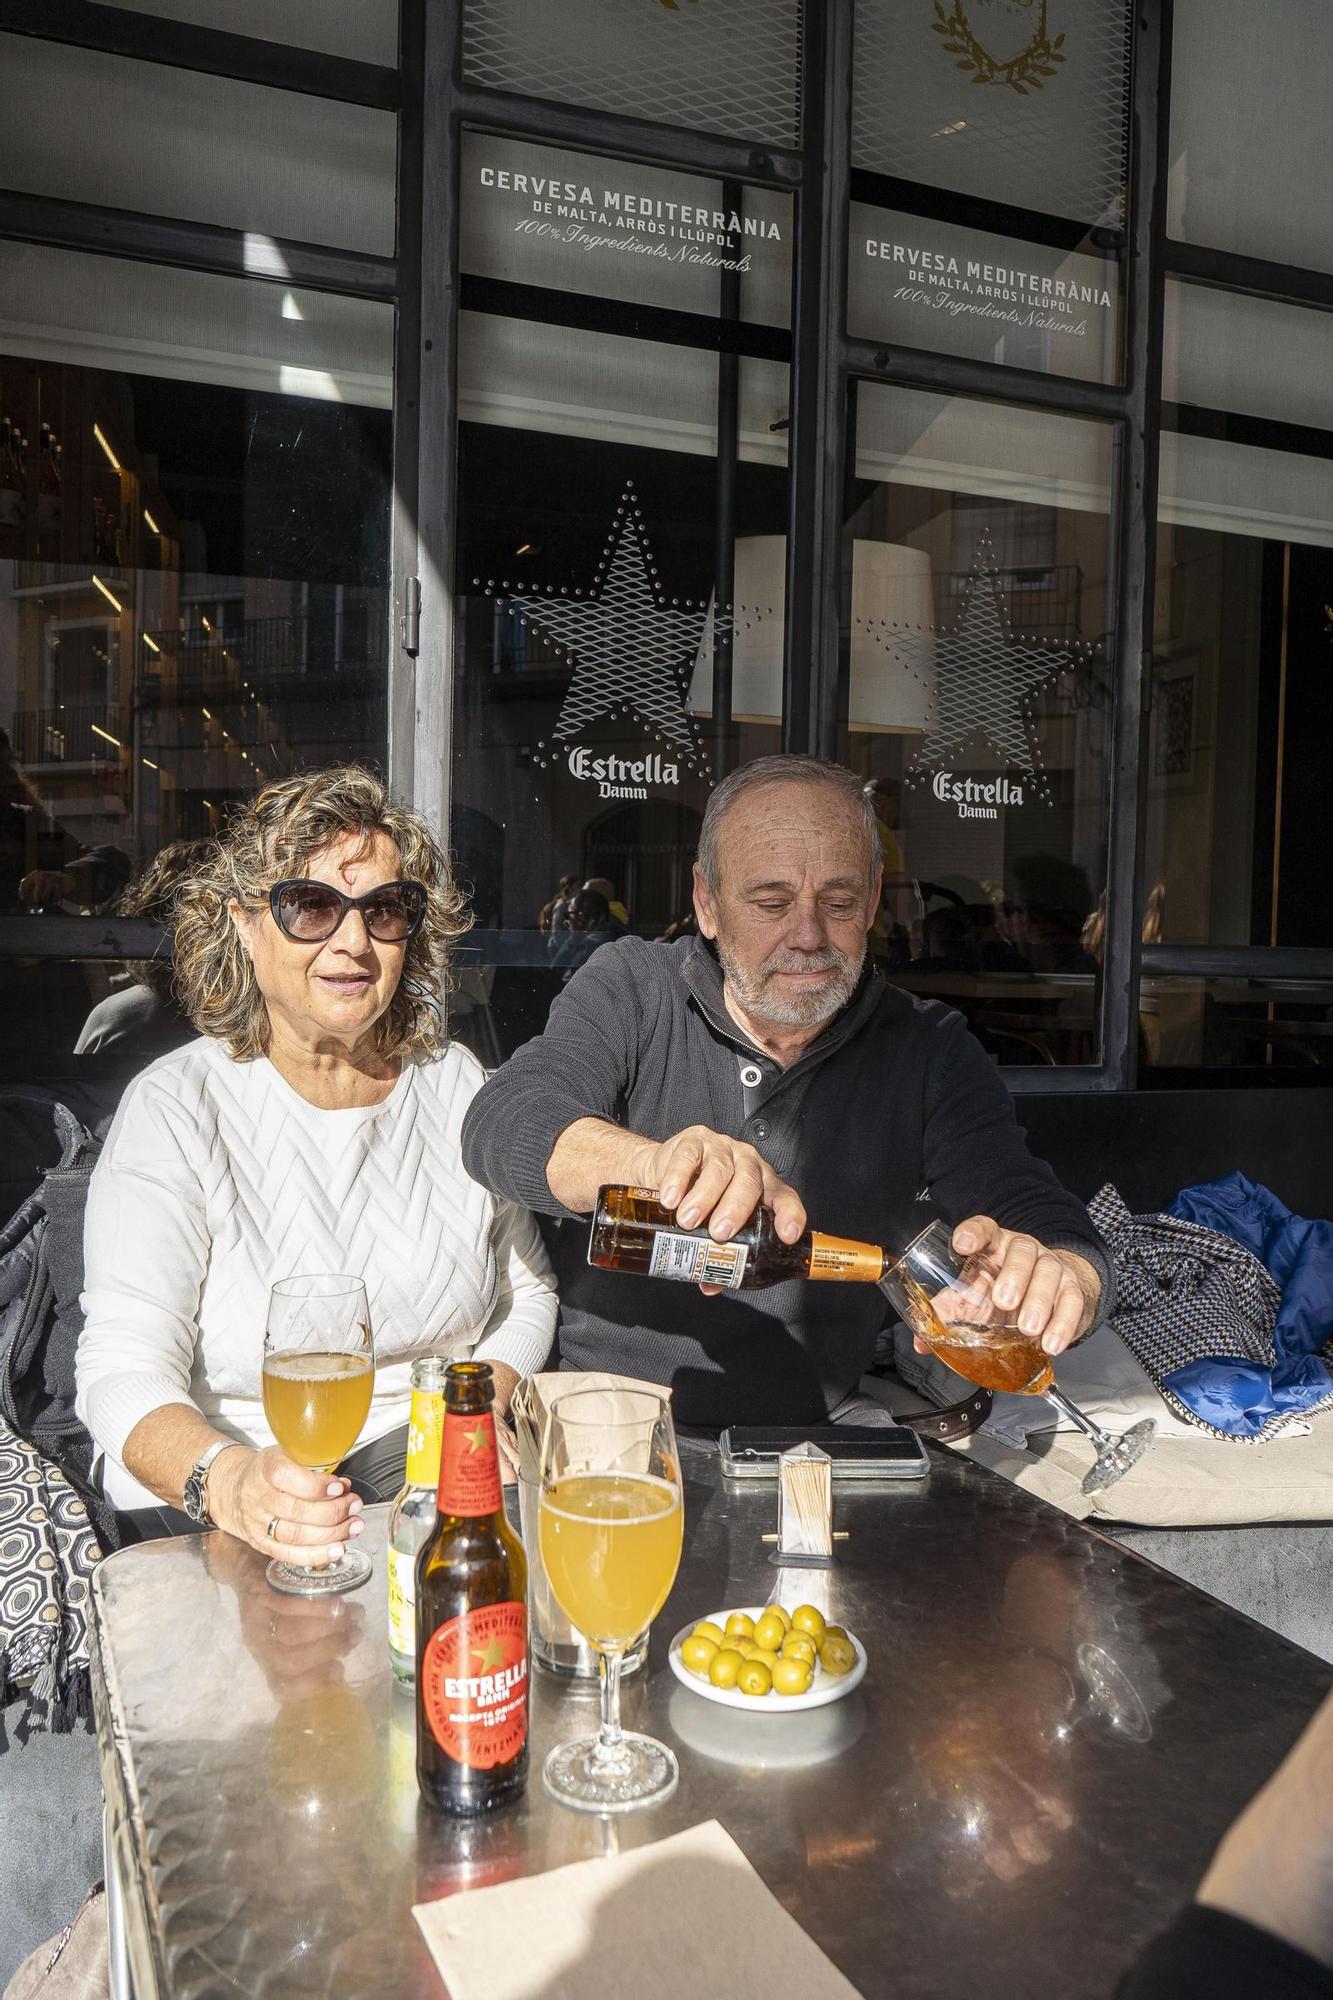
point(41, 1277)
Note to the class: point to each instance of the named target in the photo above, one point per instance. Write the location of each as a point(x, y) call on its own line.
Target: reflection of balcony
point(275, 655)
point(65, 736)
point(63, 579)
point(1044, 600)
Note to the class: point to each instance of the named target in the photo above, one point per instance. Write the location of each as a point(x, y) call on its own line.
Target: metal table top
point(1049, 1741)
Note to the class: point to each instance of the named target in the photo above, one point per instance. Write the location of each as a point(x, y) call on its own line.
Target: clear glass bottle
point(413, 1516)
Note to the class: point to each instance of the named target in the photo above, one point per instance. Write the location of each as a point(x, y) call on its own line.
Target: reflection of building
point(143, 692)
point(224, 557)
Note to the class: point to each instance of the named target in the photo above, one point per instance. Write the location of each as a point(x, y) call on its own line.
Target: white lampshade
point(892, 644)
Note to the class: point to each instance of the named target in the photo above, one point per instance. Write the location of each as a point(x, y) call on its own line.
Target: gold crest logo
point(1027, 70)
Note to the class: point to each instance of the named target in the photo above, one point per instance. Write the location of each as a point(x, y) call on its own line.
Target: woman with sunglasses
point(312, 1127)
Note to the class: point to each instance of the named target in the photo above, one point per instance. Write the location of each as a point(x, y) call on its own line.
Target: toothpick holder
point(805, 1509)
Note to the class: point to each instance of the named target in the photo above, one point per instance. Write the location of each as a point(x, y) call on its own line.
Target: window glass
point(978, 700)
point(572, 223)
point(1250, 163)
point(1028, 305)
point(1241, 737)
point(1231, 352)
point(1279, 1029)
point(732, 68)
point(193, 599)
point(1017, 101)
point(362, 30)
point(605, 590)
point(128, 134)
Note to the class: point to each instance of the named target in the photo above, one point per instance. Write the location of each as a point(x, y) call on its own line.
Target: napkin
point(615, 1925)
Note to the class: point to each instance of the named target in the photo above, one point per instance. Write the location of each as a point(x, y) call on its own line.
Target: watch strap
point(193, 1495)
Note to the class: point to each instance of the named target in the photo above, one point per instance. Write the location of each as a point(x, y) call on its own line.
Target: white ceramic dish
point(824, 1688)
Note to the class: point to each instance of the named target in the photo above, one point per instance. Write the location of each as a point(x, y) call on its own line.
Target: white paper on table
point(614, 1925)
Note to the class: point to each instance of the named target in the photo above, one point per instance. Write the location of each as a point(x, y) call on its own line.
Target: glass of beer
point(610, 1522)
point(946, 1300)
point(319, 1371)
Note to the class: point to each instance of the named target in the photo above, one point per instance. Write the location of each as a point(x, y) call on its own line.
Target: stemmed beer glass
point(610, 1523)
point(319, 1372)
point(946, 1300)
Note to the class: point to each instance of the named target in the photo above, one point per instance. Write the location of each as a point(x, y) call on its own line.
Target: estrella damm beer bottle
point(472, 1618)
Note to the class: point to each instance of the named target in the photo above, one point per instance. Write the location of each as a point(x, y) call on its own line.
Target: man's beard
point(804, 1006)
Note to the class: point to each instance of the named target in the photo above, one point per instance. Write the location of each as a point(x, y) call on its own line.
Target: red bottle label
point(469, 1466)
point(474, 1685)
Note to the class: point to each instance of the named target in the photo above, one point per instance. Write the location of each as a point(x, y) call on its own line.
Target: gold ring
point(271, 1531)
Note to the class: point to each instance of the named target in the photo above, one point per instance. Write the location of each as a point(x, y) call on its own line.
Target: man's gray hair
point(783, 770)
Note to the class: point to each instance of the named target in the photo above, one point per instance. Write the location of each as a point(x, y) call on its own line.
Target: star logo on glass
point(983, 679)
point(630, 648)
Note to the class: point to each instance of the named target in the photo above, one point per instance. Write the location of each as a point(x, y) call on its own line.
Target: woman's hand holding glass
point(319, 1375)
point(314, 1513)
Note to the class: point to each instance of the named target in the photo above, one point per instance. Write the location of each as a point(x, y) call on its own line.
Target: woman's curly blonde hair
point(272, 838)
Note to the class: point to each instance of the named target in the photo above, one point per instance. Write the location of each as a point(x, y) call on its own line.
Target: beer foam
point(316, 1367)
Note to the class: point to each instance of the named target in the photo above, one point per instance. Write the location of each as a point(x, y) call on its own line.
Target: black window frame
point(435, 105)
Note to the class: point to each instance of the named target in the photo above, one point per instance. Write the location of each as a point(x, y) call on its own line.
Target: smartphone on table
point(858, 1451)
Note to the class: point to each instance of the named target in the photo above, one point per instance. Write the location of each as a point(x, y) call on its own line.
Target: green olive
point(792, 1676)
point(837, 1656)
point(805, 1618)
point(740, 1625)
point(799, 1646)
point(697, 1653)
point(769, 1632)
point(706, 1629)
point(754, 1678)
point(778, 1611)
point(724, 1667)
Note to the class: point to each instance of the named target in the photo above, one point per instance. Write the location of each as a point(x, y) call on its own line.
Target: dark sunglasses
point(310, 912)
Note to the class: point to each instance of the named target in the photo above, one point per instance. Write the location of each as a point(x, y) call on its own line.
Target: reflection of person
point(554, 916)
point(1044, 911)
point(313, 1127)
point(88, 884)
point(590, 925)
point(602, 885)
point(761, 1057)
point(141, 1018)
point(1263, 1919)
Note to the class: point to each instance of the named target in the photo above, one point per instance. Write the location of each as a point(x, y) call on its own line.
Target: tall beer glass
point(610, 1527)
point(319, 1371)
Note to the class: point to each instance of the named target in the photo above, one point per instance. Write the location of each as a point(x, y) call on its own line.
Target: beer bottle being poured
point(633, 1231)
point(472, 1621)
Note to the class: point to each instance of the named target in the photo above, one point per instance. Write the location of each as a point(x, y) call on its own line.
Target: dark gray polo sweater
point(893, 1115)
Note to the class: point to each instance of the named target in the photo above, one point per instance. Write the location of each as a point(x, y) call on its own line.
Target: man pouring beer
point(766, 1062)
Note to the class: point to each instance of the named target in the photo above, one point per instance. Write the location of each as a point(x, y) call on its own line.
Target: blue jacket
point(1235, 1395)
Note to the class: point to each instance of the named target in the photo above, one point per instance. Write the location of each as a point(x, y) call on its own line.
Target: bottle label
point(474, 1685)
point(844, 1257)
point(469, 1466)
point(697, 1260)
point(402, 1602)
point(423, 1437)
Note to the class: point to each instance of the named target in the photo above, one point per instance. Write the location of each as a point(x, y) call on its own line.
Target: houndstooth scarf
point(48, 1552)
point(1185, 1293)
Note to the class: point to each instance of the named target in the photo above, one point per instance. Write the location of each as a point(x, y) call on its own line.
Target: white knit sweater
point(218, 1178)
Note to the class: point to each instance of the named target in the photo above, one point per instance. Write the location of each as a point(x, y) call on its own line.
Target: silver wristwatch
point(193, 1497)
